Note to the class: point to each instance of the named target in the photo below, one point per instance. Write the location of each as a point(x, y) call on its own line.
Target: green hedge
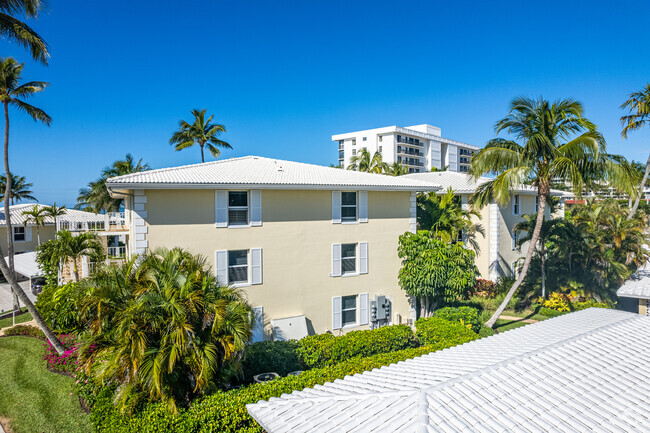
point(58, 308)
point(464, 315)
point(549, 312)
point(271, 356)
point(25, 330)
point(325, 349)
point(226, 411)
point(434, 330)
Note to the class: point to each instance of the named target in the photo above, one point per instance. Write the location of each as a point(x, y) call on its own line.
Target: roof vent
point(280, 168)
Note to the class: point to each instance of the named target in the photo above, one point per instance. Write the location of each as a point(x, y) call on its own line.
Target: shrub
point(590, 303)
point(66, 362)
point(434, 330)
point(484, 289)
point(58, 307)
point(226, 411)
point(325, 349)
point(463, 315)
point(277, 356)
point(25, 330)
point(549, 312)
point(557, 301)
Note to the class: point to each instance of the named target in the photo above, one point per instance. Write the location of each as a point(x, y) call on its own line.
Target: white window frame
point(24, 233)
point(514, 240)
point(516, 205)
point(248, 269)
point(247, 208)
point(356, 312)
point(356, 208)
point(356, 260)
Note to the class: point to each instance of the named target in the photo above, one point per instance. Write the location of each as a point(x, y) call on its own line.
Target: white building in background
point(419, 147)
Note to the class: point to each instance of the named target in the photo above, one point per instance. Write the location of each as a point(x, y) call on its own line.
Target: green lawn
point(504, 325)
point(7, 322)
point(34, 399)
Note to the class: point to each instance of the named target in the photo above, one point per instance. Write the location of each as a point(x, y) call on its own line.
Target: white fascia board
point(125, 188)
point(384, 130)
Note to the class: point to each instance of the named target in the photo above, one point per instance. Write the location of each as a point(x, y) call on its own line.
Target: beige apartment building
point(312, 247)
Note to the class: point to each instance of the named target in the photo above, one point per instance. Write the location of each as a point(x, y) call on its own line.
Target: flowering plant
point(66, 362)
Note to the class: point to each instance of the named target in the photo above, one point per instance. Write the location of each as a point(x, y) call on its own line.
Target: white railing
point(80, 226)
point(116, 219)
point(116, 252)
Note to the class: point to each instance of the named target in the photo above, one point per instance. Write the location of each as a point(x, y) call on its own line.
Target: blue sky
point(284, 76)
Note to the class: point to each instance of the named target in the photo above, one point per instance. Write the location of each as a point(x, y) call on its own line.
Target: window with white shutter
point(348, 259)
point(222, 266)
point(336, 207)
point(238, 208)
point(363, 206)
point(221, 208)
point(256, 207)
point(336, 313)
point(336, 260)
point(363, 309)
point(363, 257)
point(349, 206)
point(256, 266)
point(349, 310)
point(238, 266)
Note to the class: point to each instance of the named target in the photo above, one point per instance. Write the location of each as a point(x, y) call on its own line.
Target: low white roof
point(25, 264)
point(17, 217)
point(637, 286)
point(584, 371)
point(265, 173)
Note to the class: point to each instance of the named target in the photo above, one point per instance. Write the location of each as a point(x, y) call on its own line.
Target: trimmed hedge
point(271, 356)
point(464, 315)
point(325, 349)
point(434, 330)
point(25, 330)
point(225, 411)
point(549, 312)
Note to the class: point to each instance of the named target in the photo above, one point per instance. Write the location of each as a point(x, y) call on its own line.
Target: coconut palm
point(36, 216)
point(20, 189)
point(17, 31)
point(363, 162)
point(396, 169)
point(67, 247)
point(202, 132)
point(550, 141)
point(638, 105)
point(165, 328)
point(55, 212)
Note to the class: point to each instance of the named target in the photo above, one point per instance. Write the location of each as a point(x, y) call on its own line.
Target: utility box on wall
point(380, 309)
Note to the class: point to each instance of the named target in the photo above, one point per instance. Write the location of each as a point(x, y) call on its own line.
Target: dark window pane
point(349, 198)
point(349, 302)
point(348, 250)
point(349, 213)
point(237, 198)
point(238, 275)
point(238, 217)
point(349, 317)
point(237, 257)
point(349, 266)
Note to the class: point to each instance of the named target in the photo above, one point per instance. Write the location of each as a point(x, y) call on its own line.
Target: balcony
point(409, 140)
point(406, 151)
point(112, 221)
point(116, 252)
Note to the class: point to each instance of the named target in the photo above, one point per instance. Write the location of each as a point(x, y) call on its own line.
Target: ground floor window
point(19, 233)
point(237, 266)
point(349, 310)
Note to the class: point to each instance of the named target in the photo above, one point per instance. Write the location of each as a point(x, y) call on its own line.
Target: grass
point(504, 325)
point(33, 398)
point(7, 322)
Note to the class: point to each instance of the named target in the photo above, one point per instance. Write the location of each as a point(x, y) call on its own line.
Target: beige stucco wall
point(46, 232)
point(296, 238)
point(643, 307)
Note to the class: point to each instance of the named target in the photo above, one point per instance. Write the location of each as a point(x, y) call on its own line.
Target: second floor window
point(349, 206)
point(237, 208)
point(237, 266)
point(19, 233)
point(349, 259)
point(515, 205)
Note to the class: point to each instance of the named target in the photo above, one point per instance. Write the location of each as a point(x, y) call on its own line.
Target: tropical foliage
point(20, 189)
point(396, 169)
point(203, 132)
point(37, 216)
point(95, 197)
point(55, 212)
point(16, 30)
point(362, 161)
point(68, 248)
point(163, 330)
point(434, 270)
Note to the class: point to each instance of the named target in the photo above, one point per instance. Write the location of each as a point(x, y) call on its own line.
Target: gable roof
point(17, 217)
point(264, 173)
point(584, 371)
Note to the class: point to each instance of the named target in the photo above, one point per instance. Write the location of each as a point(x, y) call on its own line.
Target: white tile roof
point(256, 171)
point(584, 371)
point(17, 217)
point(637, 286)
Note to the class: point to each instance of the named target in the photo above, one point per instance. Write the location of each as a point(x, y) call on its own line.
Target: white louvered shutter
point(85, 272)
point(258, 324)
point(336, 207)
point(363, 206)
point(221, 208)
point(256, 266)
point(363, 309)
point(28, 234)
point(337, 313)
point(222, 266)
point(256, 207)
point(336, 260)
point(363, 257)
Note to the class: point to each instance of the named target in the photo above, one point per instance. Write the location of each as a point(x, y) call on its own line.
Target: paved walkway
point(518, 319)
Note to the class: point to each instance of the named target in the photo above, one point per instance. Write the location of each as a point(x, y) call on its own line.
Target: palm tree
point(166, 329)
point(202, 132)
point(20, 188)
point(548, 149)
point(71, 248)
point(638, 104)
point(95, 197)
point(55, 212)
point(363, 162)
point(396, 169)
point(16, 30)
point(37, 216)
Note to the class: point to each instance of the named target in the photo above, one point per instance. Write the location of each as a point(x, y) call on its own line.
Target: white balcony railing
point(105, 222)
point(116, 252)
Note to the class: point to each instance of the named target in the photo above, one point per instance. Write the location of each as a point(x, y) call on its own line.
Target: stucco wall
point(47, 233)
point(296, 238)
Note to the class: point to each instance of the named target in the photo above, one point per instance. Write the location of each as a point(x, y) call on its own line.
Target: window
point(341, 144)
point(365, 138)
point(381, 138)
point(19, 233)
point(341, 154)
point(515, 205)
point(349, 206)
point(354, 141)
point(237, 208)
point(380, 148)
point(349, 259)
point(514, 241)
point(237, 266)
point(354, 152)
point(349, 310)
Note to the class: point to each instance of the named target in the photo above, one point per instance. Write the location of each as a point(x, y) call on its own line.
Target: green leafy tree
point(202, 132)
point(638, 105)
point(396, 169)
point(20, 189)
point(67, 247)
point(165, 329)
point(433, 270)
point(36, 216)
point(55, 212)
point(362, 161)
point(16, 30)
point(551, 141)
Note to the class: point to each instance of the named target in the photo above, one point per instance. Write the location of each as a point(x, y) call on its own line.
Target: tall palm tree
point(20, 189)
point(396, 169)
point(37, 216)
point(55, 212)
point(16, 30)
point(363, 162)
point(550, 141)
point(71, 248)
point(638, 105)
point(202, 132)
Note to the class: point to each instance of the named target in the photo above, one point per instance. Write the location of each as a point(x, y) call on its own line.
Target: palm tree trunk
point(542, 192)
point(543, 260)
point(75, 270)
point(640, 191)
point(201, 146)
point(38, 236)
point(10, 232)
